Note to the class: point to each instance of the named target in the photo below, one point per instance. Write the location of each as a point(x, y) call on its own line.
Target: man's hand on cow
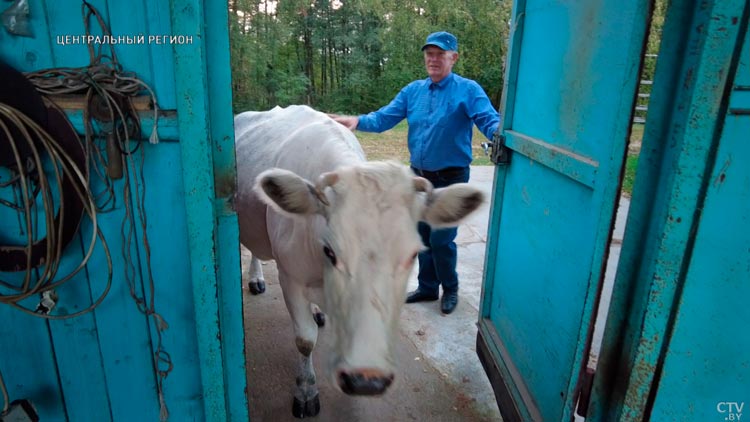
point(350, 122)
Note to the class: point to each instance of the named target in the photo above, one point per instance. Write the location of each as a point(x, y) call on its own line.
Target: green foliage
point(391, 145)
point(629, 179)
point(652, 51)
point(353, 56)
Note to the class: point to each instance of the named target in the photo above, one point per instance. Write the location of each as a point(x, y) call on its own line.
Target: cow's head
point(369, 246)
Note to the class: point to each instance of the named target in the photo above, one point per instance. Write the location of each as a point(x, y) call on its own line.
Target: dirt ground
point(420, 391)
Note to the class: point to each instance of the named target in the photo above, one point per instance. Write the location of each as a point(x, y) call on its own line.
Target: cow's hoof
point(309, 408)
point(257, 287)
point(320, 319)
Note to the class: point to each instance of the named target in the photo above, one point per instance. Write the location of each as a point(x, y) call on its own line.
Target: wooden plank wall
point(100, 366)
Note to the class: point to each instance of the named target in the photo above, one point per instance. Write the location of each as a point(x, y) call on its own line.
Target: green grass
point(627, 182)
point(391, 145)
point(636, 134)
point(631, 163)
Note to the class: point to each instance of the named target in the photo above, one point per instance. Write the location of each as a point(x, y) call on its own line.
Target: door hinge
point(496, 149)
point(584, 394)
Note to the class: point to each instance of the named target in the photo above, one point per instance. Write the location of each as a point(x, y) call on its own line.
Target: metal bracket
point(499, 154)
point(47, 302)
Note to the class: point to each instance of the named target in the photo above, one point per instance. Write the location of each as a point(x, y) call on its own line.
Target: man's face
point(439, 62)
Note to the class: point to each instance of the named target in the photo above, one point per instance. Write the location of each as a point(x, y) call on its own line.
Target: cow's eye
point(329, 253)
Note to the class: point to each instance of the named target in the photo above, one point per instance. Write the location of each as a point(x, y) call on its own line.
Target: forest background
point(354, 56)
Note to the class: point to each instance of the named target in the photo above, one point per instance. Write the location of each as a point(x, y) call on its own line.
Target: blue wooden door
point(571, 81)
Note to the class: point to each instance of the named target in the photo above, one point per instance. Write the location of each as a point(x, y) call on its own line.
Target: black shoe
point(449, 302)
point(420, 296)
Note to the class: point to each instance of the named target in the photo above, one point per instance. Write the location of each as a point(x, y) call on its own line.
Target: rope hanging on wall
point(108, 90)
point(29, 151)
point(68, 174)
point(19, 142)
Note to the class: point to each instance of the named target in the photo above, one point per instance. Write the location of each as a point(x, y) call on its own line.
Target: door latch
point(496, 149)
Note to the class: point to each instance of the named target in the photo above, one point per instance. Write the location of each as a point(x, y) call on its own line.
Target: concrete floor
point(440, 377)
point(421, 390)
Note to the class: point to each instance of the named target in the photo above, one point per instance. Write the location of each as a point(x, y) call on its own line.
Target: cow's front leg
point(257, 284)
point(306, 400)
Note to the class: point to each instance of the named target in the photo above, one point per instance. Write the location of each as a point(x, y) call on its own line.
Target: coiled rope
point(62, 163)
point(105, 79)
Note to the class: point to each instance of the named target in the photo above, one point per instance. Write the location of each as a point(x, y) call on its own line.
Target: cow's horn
point(422, 185)
point(325, 179)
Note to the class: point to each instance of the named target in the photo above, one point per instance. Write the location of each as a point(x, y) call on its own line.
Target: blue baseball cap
point(442, 39)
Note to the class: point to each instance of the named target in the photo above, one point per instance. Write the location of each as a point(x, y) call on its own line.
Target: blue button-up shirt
point(440, 116)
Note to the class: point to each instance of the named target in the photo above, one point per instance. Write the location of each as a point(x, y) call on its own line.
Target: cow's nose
point(364, 382)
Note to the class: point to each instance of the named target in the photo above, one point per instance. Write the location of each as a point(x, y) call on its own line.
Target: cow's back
point(295, 138)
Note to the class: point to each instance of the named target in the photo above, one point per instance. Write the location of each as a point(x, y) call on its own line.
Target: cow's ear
point(447, 207)
point(288, 193)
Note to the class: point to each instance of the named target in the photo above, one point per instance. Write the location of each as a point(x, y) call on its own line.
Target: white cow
point(337, 225)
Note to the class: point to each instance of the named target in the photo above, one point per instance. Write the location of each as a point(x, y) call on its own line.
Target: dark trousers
point(437, 264)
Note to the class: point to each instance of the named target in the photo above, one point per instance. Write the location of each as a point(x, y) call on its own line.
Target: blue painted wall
point(99, 366)
point(707, 354)
point(676, 340)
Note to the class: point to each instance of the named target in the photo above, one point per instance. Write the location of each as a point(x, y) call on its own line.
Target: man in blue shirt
point(441, 110)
